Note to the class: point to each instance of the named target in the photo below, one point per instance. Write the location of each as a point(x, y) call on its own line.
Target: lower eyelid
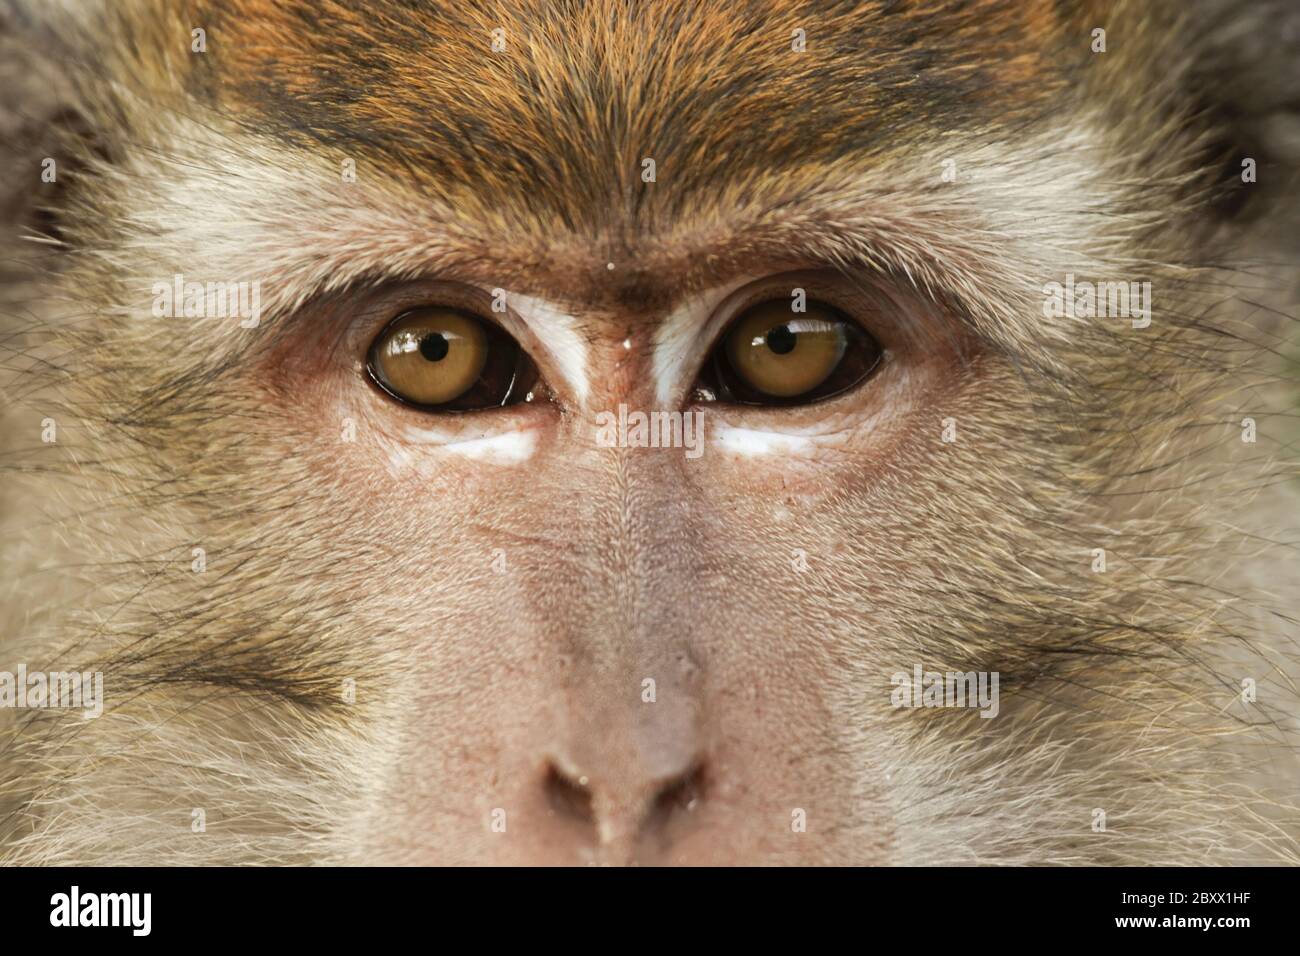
point(412, 450)
point(750, 442)
point(504, 446)
point(890, 383)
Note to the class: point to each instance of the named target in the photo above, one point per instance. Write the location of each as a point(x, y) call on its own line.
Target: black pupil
point(781, 340)
point(434, 346)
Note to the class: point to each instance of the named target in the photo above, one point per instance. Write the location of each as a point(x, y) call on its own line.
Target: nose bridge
point(628, 755)
point(640, 510)
point(624, 757)
point(632, 644)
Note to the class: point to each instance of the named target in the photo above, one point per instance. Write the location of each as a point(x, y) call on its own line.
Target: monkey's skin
point(333, 627)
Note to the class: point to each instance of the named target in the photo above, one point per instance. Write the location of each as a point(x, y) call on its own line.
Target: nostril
point(618, 813)
point(680, 795)
point(568, 797)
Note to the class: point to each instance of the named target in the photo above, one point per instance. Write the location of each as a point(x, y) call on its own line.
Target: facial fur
point(401, 628)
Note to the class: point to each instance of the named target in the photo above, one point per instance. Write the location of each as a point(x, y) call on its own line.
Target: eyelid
point(367, 310)
point(507, 375)
point(686, 341)
point(827, 288)
point(560, 354)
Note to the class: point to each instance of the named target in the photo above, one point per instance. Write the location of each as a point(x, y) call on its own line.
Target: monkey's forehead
point(508, 146)
point(554, 107)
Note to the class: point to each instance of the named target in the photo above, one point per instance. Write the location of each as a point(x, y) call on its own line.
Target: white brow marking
point(558, 331)
point(752, 443)
point(678, 338)
point(674, 346)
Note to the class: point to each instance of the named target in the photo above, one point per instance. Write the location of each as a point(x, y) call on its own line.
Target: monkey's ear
point(1247, 75)
point(46, 138)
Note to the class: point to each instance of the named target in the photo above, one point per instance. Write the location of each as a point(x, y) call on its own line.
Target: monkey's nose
point(627, 817)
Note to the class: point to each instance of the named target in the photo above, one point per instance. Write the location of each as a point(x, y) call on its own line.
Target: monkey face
point(698, 434)
point(619, 515)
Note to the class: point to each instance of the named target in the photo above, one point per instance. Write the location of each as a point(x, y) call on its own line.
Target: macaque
point(649, 432)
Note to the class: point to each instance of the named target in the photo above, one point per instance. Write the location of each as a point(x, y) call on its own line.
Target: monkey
point(965, 534)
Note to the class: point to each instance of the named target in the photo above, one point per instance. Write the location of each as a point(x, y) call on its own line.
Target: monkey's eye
point(445, 359)
point(773, 356)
